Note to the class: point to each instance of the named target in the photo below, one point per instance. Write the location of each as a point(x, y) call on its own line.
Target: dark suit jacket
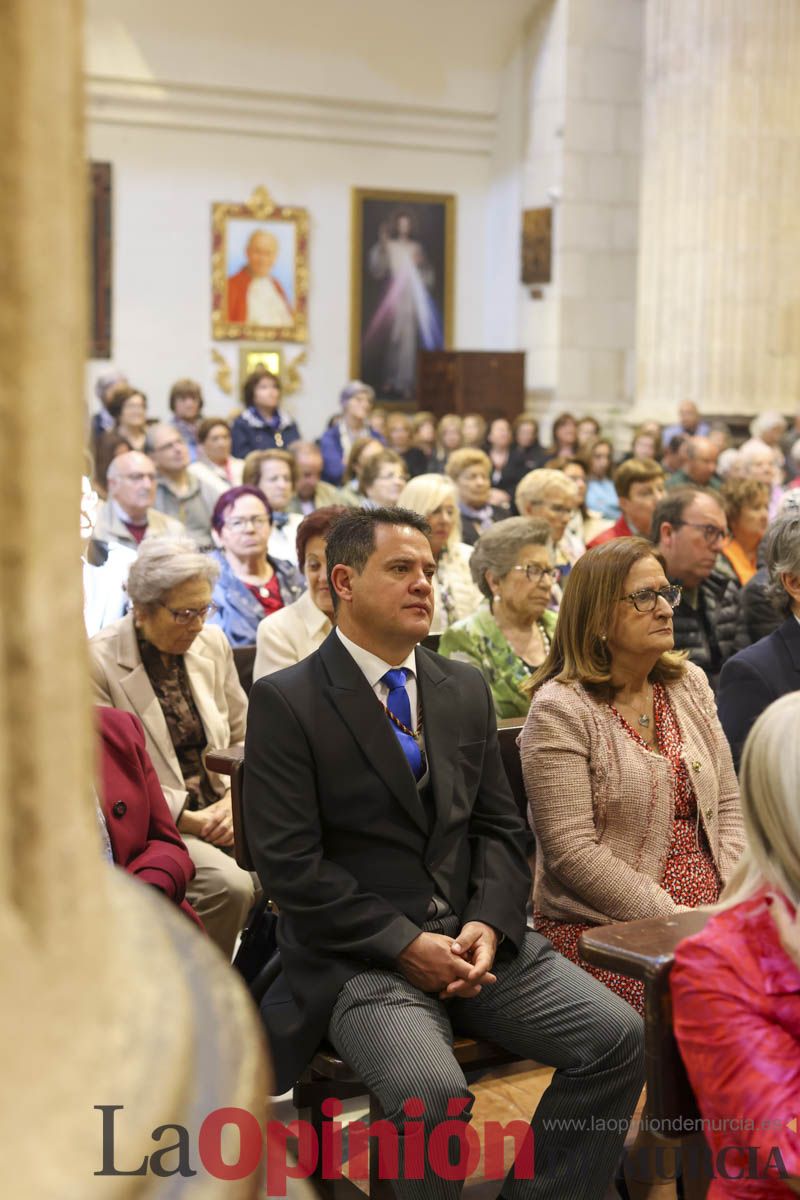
point(755, 677)
point(144, 837)
point(341, 840)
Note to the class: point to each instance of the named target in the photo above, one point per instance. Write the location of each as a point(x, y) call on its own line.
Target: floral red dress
point(690, 874)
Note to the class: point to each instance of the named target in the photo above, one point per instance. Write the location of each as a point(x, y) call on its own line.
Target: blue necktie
point(398, 705)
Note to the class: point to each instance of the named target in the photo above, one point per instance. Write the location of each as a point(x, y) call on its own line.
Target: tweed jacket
point(121, 681)
point(602, 808)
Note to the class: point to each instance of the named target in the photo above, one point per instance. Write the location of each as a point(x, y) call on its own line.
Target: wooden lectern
point(461, 381)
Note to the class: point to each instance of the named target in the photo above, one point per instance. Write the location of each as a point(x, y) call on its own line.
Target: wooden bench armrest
point(640, 949)
point(645, 950)
point(224, 762)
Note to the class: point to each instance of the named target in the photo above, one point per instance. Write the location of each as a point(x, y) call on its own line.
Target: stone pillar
point(719, 234)
point(108, 995)
point(581, 156)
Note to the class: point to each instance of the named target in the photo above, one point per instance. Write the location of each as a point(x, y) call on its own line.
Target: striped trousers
point(543, 1008)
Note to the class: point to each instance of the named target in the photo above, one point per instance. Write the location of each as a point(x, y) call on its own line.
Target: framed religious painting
point(259, 271)
point(100, 252)
point(267, 358)
point(402, 286)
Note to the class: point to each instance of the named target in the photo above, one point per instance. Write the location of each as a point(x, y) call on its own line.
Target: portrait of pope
point(260, 277)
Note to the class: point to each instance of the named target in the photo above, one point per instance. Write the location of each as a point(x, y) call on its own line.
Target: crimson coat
point(144, 838)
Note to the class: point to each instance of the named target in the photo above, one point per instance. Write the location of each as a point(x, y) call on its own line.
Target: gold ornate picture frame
point(259, 271)
point(402, 279)
point(251, 358)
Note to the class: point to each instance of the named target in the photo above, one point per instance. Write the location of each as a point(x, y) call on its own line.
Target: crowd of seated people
point(665, 488)
point(638, 615)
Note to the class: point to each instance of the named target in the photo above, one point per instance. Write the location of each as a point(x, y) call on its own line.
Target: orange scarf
point(736, 556)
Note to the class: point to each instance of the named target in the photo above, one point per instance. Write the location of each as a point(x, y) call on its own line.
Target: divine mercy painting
point(402, 286)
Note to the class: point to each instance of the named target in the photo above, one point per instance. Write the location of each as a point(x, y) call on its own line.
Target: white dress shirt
point(373, 668)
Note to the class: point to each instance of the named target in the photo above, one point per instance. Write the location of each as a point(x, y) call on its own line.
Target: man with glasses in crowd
point(179, 494)
point(689, 530)
point(128, 515)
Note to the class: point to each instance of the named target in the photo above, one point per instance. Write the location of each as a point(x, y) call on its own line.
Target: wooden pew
point(645, 950)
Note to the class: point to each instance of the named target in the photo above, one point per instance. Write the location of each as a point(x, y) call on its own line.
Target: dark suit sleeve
point(742, 696)
point(328, 910)
point(500, 879)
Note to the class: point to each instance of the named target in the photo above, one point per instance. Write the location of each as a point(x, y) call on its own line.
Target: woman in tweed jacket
point(630, 782)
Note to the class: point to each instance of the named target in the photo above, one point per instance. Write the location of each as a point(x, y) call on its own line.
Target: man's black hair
point(351, 540)
point(674, 505)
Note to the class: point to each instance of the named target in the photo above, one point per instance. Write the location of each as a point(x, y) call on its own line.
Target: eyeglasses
point(534, 572)
point(237, 524)
point(712, 534)
point(559, 510)
point(139, 477)
point(645, 601)
point(183, 616)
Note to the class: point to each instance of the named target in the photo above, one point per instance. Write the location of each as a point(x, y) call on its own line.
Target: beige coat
point(601, 805)
point(109, 528)
point(120, 681)
point(289, 635)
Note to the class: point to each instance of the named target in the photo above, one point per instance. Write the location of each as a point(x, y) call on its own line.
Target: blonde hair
point(579, 650)
point(534, 486)
point(461, 460)
point(251, 471)
point(769, 778)
point(448, 421)
point(425, 493)
point(422, 418)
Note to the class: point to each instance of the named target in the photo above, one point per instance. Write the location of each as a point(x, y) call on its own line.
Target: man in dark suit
point(770, 668)
point(381, 821)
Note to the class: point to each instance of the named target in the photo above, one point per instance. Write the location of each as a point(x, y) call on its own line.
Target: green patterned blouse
point(479, 640)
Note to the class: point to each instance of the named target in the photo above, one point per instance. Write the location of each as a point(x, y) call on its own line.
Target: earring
point(496, 596)
point(603, 637)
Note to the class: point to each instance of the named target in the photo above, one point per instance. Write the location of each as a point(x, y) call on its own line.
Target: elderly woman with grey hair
point(770, 668)
point(165, 665)
point(509, 636)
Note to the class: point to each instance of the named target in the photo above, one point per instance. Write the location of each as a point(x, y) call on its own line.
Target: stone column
point(108, 995)
point(581, 156)
point(719, 234)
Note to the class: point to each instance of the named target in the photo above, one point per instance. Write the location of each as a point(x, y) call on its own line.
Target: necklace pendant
point(644, 720)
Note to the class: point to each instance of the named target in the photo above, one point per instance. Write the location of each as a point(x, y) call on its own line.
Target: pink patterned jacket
point(736, 1000)
point(602, 806)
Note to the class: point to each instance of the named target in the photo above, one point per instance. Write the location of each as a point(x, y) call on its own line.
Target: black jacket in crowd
point(707, 629)
point(758, 616)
